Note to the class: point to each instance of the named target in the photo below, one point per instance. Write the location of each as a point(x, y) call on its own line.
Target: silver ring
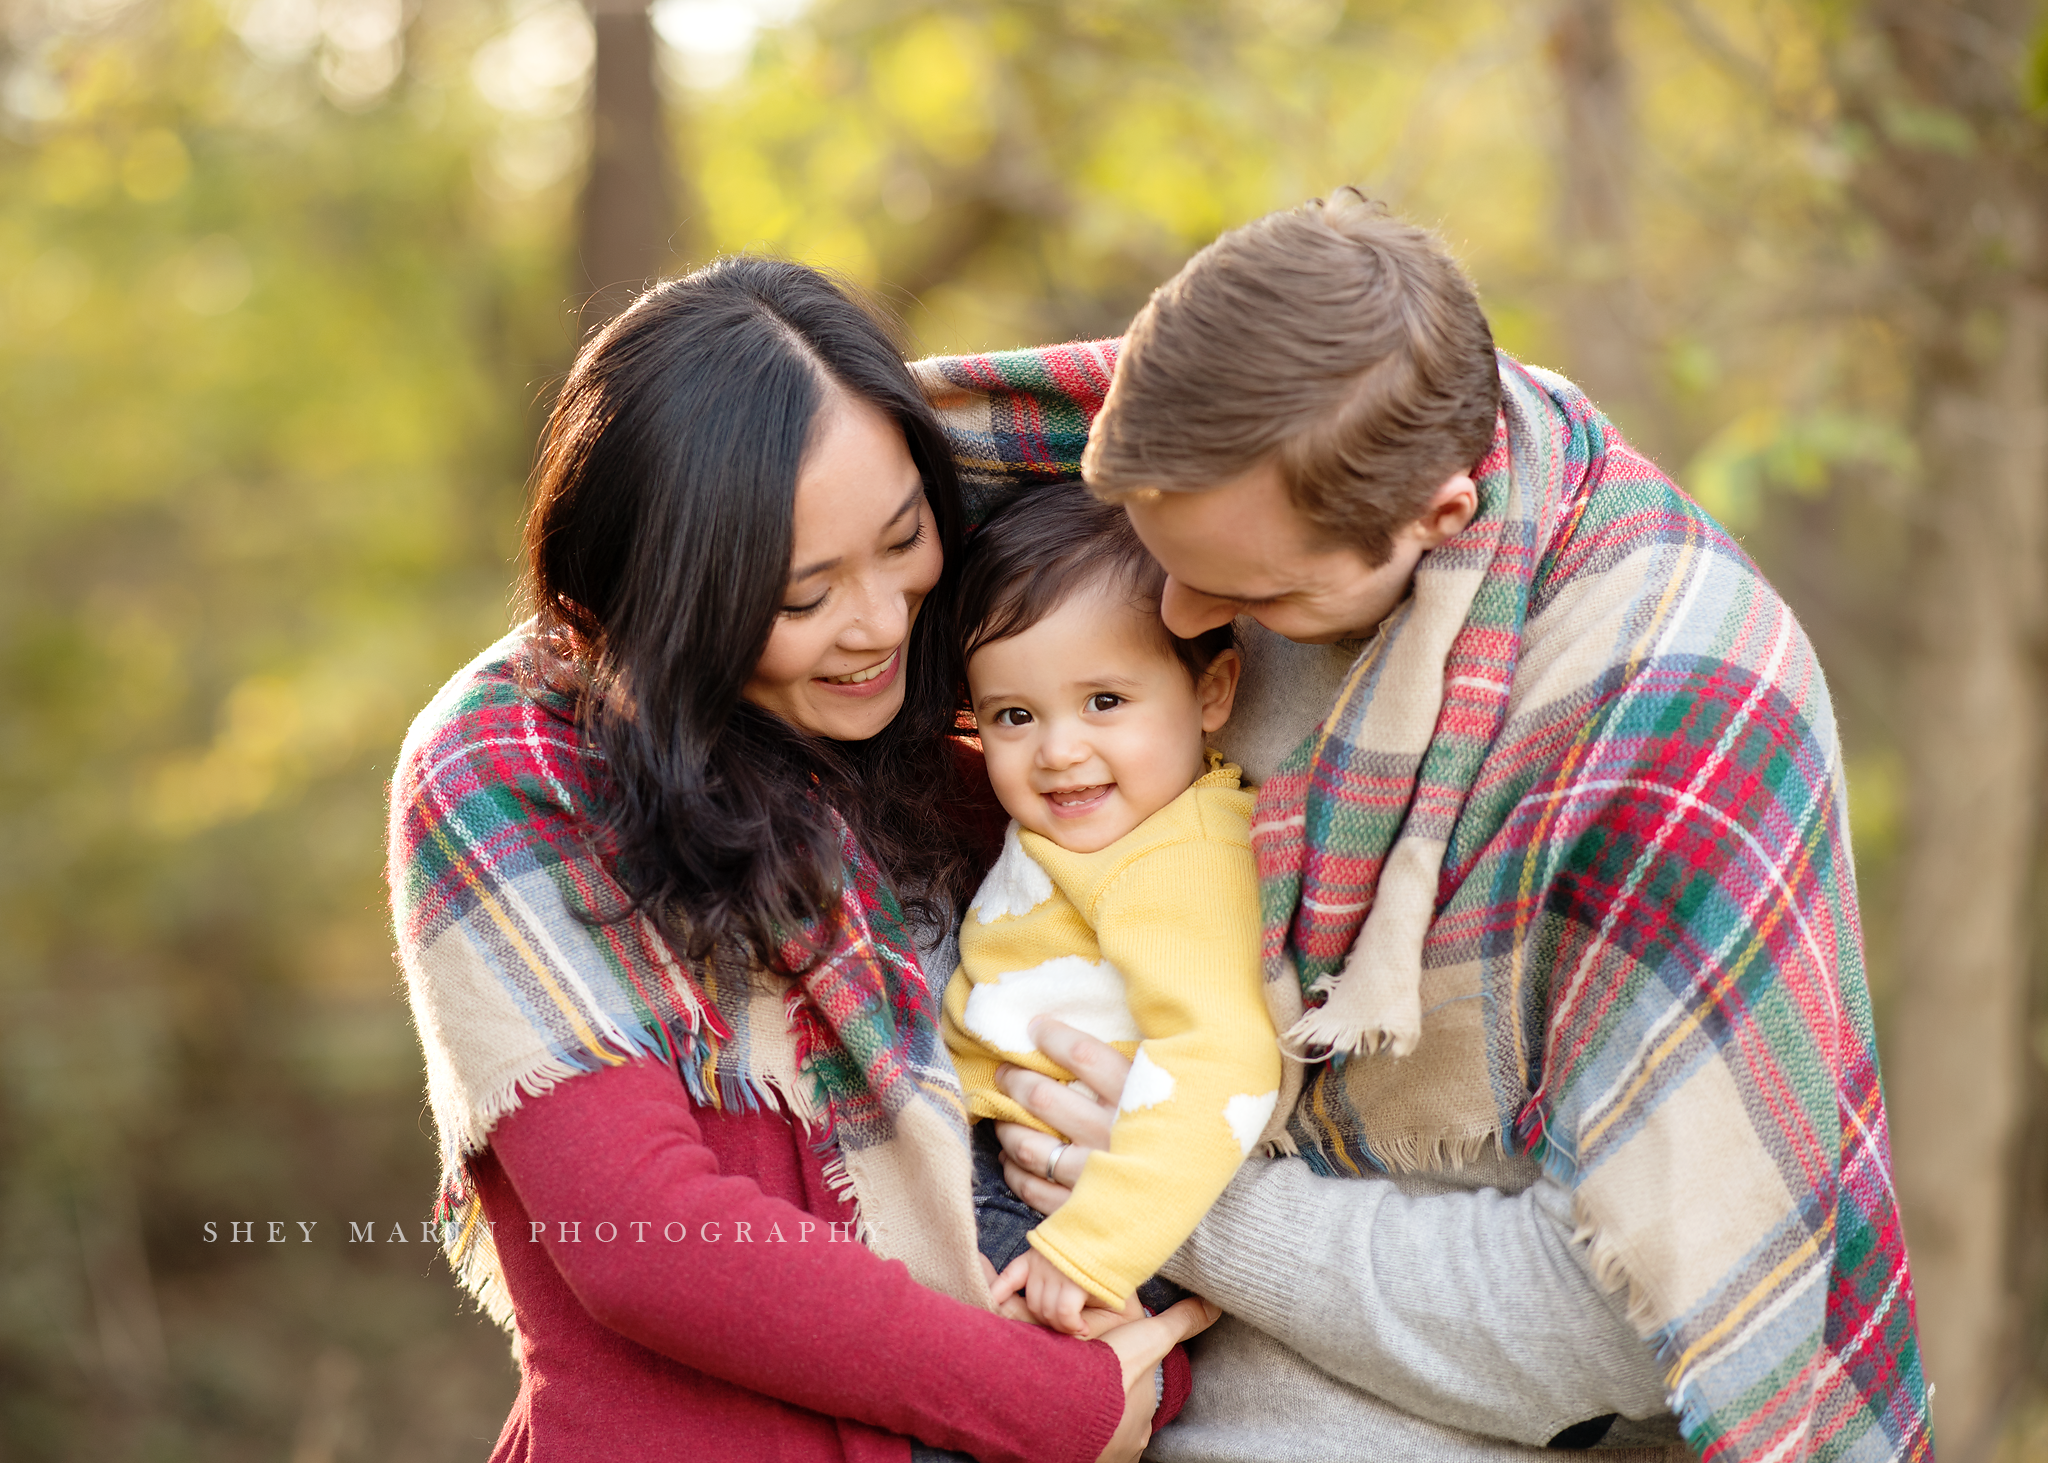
point(1052, 1162)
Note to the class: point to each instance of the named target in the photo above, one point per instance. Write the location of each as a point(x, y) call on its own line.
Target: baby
point(1124, 904)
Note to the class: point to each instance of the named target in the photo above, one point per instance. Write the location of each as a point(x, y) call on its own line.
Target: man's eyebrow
point(822, 565)
point(1225, 595)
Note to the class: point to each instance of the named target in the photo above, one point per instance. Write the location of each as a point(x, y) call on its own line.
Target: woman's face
point(865, 553)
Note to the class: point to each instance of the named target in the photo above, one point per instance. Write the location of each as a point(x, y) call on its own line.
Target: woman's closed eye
point(903, 546)
point(916, 538)
point(1102, 701)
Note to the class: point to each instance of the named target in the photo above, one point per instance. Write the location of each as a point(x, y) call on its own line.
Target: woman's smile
point(872, 681)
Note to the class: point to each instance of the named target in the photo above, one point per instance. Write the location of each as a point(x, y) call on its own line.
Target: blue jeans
point(1003, 1222)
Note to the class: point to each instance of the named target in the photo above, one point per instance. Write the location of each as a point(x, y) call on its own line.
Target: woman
point(665, 864)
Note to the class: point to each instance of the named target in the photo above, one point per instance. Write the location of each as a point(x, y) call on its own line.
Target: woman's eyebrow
point(908, 503)
point(797, 575)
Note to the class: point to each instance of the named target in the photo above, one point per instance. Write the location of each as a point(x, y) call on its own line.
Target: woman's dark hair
point(658, 554)
point(1047, 547)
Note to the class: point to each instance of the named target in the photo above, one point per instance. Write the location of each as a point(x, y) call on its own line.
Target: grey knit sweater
point(1418, 1319)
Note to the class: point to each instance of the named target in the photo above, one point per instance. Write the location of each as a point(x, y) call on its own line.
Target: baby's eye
point(1012, 716)
point(1102, 701)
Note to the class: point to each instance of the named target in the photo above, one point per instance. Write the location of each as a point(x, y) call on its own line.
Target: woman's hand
point(1083, 1121)
point(1140, 1346)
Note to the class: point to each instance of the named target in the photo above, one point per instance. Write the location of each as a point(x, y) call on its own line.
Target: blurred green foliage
point(268, 352)
point(282, 285)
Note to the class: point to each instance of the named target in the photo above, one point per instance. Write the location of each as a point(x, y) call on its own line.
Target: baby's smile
point(1072, 801)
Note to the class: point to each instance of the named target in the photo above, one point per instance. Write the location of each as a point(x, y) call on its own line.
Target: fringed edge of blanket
point(1441, 1153)
point(1438, 1153)
point(467, 1241)
point(840, 1182)
point(816, 1111)
point(1611, 1272)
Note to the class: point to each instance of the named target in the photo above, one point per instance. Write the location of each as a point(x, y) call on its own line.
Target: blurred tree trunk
point(1954, 179)
point(1602, 313)
point(627, 226)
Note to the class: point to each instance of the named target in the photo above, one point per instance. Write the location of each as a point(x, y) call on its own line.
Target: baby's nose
point(1062, 747)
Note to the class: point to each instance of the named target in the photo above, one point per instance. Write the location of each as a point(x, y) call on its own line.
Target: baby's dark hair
point(1051, 544)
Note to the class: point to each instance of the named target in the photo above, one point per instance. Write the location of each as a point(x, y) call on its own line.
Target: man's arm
point(1472, 1309)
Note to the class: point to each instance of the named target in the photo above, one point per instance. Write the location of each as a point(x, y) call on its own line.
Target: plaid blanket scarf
point(1566, 869)
point(499, 855)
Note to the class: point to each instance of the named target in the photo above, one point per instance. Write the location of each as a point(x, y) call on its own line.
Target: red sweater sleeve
point(827, 1326)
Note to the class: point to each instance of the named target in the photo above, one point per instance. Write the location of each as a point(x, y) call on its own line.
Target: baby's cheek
point(1009, 768)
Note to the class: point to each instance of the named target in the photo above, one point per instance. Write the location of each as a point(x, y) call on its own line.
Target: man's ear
point(1450, 508)
point(1217, 689)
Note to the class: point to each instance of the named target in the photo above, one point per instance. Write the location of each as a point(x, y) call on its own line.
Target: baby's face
point(1089, 722)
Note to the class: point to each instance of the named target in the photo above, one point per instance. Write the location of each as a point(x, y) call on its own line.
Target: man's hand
point(1081, 1119)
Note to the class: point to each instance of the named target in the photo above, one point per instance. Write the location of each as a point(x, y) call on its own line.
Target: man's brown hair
point(1333, 338)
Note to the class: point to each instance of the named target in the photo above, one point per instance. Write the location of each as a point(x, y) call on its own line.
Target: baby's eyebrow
point(1086, 687)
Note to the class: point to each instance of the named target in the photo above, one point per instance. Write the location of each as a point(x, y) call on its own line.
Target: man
point(1584, 1145)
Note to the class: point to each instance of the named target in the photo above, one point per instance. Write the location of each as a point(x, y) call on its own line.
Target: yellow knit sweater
point(1151, 944)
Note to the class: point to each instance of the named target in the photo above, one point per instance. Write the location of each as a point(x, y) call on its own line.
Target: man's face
point(1244, 548)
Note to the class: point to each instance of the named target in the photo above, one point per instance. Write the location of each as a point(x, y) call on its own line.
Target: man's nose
point(1189, 612)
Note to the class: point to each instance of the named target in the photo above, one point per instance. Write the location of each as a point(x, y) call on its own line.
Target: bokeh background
point(284, 287)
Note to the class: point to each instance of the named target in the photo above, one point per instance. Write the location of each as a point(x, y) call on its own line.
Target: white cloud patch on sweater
point(1148, 1085)
point(1086, 994)
point(1016, 885)
point(1247, 1114)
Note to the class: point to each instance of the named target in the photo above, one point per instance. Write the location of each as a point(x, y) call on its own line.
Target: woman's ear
point(1217, 690)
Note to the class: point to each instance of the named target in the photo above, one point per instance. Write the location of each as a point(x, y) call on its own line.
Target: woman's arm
point(822, 1325)
point(1458, 1307)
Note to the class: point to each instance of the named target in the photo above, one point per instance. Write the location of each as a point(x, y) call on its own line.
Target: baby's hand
point(1054, 1300)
